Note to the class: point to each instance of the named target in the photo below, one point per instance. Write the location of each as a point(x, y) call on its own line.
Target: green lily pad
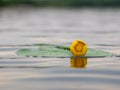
point(50, 50)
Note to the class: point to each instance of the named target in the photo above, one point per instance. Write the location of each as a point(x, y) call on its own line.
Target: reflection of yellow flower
point(78, 48)
point(78, 62)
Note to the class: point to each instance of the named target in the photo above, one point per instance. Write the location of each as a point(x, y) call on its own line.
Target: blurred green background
point(62, 3)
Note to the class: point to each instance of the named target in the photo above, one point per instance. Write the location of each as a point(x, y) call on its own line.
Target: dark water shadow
point(114, 45)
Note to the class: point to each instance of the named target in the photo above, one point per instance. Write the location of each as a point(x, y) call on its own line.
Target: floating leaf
point(50, 50)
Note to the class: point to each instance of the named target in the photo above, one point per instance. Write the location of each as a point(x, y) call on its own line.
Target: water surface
point(20, 27)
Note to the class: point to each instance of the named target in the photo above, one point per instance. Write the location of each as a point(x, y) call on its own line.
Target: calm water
point(21, 27)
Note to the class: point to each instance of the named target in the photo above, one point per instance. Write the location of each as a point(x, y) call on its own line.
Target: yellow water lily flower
point(78, 48)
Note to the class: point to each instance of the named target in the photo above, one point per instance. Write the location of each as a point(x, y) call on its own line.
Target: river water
point(21, 27)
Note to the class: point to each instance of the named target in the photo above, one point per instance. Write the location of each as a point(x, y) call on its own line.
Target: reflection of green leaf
point(49, 50)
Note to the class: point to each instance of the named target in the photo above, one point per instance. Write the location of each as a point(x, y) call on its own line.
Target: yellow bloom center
point(78, 48)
